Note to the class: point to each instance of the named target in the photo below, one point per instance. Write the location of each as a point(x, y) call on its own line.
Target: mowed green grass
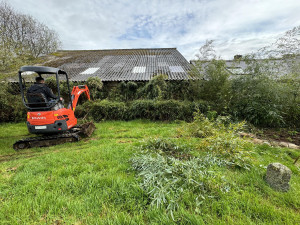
point(91, 182)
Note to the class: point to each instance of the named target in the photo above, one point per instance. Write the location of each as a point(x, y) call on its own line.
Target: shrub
point(106, 110)
point(258, 100)
point(173, 110)
point(220, 138)
point(212, 83)
point(169, 110)
point(166, 110)
point(51, 83)
point(142, 109)
point(11, 106)
point(167, 147)
point(127, 90)
point(168, 179)
point(155, 88)
point(95, 85)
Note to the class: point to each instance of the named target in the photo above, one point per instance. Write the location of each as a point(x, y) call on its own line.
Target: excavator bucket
point(87, 129)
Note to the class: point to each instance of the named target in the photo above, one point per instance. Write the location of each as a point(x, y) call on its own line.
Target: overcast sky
point(237, 26)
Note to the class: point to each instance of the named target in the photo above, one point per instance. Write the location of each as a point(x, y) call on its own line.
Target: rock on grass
point(278, 176)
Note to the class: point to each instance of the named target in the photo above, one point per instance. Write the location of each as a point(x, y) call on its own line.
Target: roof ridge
point(117, 49)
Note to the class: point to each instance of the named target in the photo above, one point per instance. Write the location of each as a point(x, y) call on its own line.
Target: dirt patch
point(12, 169)
point(124, 141)
point(122, 131)
point(280, 135)
point(7, 158)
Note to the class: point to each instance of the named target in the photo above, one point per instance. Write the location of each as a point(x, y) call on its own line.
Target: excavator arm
point(76, 92)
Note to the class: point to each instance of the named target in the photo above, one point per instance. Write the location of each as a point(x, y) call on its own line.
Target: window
point(176, 69)
point(90, 70)
point(139, 69)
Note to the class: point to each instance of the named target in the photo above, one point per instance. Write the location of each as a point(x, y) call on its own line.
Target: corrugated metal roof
point(90, 70)
point(122, 64)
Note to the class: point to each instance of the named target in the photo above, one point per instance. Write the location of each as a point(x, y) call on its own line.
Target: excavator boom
point(76, 92)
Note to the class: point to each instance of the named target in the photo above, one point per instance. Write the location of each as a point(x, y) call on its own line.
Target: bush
point(258, 100)
point(162, 110)
point(11, 106)
point(155, 88)
point(220, 138)
point(106, 110)
point(95, 85)
point(169, 110)
point(169, 179)
point(142, 109)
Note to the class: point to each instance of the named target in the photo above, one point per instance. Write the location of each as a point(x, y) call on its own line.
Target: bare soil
point(283, 135)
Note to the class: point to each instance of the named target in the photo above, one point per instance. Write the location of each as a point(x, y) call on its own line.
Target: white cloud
point(237, 26)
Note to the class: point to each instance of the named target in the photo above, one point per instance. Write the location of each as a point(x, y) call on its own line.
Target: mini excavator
point(52, 121)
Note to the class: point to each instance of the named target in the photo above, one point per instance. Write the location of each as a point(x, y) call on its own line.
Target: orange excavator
point(52, 119)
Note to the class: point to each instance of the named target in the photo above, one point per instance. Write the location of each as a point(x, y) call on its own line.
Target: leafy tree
point(207, 51)
point(23, 38)
point(95, 85)
point(210, 78)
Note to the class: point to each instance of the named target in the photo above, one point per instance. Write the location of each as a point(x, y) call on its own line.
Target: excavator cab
point(38, 101)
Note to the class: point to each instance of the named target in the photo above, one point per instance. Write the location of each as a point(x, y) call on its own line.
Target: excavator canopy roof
point(41, 69)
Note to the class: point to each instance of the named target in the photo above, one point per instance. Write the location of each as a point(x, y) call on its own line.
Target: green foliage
point(258, 99)
point(291, 93)
point(128, 90)
point(141, 109)
point(201, 127)
point(106, 110)
point(168, 179)
point(11, 106)
point(220, 138)
point(179, 90)
point(64, 91)
point(166, 147)
point(51, 83)
point(155, 88)
point(23, 39)
point(95, 85)
point(211, 83)
point(162, 110)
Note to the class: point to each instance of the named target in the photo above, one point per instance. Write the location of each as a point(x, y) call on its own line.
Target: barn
point(121, 64)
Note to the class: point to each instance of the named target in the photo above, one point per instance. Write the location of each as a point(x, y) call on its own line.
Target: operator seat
point(37, 100)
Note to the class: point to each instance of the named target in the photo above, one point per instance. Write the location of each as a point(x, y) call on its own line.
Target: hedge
point(168, 110)
point(12, 110)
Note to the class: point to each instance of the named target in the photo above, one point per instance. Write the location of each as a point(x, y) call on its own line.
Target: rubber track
point(45, 141)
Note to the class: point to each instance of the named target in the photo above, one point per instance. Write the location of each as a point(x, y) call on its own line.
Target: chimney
point(237, 57)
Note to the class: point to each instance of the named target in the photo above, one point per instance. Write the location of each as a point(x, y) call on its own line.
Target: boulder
point(278, 176)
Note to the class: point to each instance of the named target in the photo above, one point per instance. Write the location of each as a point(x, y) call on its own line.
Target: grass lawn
point(92, 182)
